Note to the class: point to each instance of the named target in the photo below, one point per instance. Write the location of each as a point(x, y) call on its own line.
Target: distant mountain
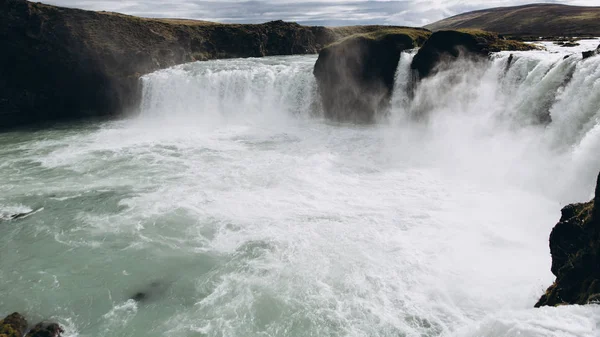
point(528, 20)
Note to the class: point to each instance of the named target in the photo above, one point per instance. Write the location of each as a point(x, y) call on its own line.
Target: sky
point(310, 12)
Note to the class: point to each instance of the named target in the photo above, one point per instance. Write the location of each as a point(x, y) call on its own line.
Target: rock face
point(356, 75)
point(60, 63)
point(13, 325)
point(445, 46)
point(591, 53)
point(575, 249)
point(46, 330)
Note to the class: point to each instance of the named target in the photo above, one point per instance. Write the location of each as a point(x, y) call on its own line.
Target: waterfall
point(537, 99)
point(229, 207)
point(403, 82)
point(232, 89)
point(535, 86)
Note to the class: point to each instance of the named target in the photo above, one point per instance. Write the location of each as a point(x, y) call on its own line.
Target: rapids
point(237, 210)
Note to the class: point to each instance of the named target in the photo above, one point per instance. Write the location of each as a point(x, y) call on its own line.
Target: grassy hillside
point(529, 20)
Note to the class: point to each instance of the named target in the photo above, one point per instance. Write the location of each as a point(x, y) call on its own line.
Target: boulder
point(575, 250)
point(445, 46)
point(590, 53)
point(149, 292)
point(13, 325)
point(356, 75)
point(46, 329)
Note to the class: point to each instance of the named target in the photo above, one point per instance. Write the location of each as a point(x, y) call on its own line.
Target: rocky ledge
point(61, 63)
point(15, 325)
point(575, 250)
point(356, 75)
point(444, 46)
point(590, 53)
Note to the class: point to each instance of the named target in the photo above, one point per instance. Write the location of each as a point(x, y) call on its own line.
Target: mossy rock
point(450, 44)
point(575, 250)
point(356, 74)
point(13, 325)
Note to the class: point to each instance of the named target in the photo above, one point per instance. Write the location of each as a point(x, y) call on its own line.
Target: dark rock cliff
point(590, 53)
point(575, 250)
point(356, 75)
point(445, 46)
point(60, 63)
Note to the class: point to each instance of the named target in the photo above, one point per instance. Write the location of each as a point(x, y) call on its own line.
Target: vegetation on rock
point(575, 250)
point(356, 74)
point(13, 325)
point(445, 46)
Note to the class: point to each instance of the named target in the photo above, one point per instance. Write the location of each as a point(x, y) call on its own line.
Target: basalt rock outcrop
point(445, 46)
point(356, 75)
point(61, 63)
point(575, 250)
point(15, 325)
point(590, 53)
point(46, 329)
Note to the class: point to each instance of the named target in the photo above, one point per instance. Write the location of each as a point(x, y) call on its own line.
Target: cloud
point(313, 12)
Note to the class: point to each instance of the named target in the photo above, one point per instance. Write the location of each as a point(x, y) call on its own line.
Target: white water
point(258, 218)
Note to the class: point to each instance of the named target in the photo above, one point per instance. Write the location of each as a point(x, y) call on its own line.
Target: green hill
point(528, 20)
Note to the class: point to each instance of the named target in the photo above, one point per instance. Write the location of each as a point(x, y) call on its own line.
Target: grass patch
point(418, 35)
point(495, 42)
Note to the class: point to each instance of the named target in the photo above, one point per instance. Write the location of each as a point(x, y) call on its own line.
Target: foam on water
point(253, 217)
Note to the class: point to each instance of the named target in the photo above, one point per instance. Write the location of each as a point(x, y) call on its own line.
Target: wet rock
point(139, 296)
point(154, 289)
point(590, 53)
point(13, 325)
point(509, 63)
point(46, 329)
point(575, 250)
point(17, 216)
point(570, 44)
point(445, 46)
point(356, 75)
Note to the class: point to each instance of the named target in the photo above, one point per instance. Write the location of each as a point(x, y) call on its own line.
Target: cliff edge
point(62, 63)
point(575, 249)
point(444, 46)
point(356, 75)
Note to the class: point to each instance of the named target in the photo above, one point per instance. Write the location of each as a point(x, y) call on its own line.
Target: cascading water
point(240, 89)
point(236, 210)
